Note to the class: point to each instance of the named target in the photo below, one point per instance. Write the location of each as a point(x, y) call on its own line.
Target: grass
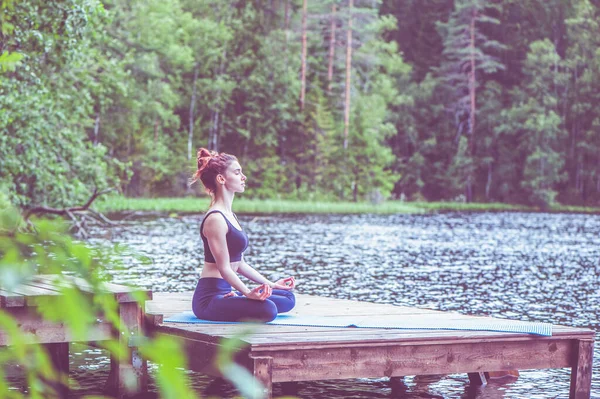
point(199, 205)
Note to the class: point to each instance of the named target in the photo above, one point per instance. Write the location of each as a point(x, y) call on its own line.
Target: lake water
point(525, 266)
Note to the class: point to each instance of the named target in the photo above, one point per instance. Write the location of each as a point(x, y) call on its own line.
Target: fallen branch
point(64, 212)
point(72, 211)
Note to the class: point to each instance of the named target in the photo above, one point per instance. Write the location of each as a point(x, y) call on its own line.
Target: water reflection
point(538, 267)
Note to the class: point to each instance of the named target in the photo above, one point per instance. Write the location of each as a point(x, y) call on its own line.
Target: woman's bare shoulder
point(215, 224)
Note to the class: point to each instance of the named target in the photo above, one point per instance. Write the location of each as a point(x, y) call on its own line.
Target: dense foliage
point(483, 100)
point(44, 247)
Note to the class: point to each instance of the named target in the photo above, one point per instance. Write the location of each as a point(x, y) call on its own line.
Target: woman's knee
point(285, 301)
point(268, 311)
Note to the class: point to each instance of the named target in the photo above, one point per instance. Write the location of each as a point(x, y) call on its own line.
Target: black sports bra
point(237, 240)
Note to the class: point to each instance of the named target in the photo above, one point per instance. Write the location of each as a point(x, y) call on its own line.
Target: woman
point(224, 244)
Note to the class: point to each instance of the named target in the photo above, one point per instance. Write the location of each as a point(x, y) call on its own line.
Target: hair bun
point(204, 156)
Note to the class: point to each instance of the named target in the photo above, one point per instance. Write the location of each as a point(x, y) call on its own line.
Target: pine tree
point(583, 116)
point(534, 122)
point(467, 55)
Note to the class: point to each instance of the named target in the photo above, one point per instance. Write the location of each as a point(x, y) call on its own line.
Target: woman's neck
point(224, 202)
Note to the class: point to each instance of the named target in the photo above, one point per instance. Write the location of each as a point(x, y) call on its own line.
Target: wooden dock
point(21, 302)
point(293, 353)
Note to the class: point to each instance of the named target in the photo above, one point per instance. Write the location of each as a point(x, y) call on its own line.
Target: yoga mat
point(412, 322)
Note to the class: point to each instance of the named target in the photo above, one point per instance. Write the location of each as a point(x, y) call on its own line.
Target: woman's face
point(235, 180)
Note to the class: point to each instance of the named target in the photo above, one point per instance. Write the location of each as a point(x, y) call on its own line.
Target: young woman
point(224, 244)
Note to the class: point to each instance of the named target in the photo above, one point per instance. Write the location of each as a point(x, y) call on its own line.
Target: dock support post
point(59, 356)
point(398, 386)
point(581, 372)
point(479, 378)
point(131, 375)
point(262, 370)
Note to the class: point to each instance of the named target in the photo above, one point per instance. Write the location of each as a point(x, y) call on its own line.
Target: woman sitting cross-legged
point(224, 244)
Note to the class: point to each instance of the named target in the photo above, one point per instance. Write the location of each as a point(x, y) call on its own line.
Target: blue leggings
point(208, 303)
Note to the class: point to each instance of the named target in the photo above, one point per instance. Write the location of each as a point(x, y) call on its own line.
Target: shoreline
point(192, 205)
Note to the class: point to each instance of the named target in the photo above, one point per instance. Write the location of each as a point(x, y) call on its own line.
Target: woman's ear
point(220, 179)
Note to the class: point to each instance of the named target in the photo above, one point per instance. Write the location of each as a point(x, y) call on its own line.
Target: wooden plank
point(298, 334)
point(359, 336)
point(122, 293)
point(153, 320)
point(581, 372)
point(38, 330)
point(375, 362)
point(10, 299)
point(63, 281)
point(372, 343)
point(34, 295)
point(348, 332)
point(279, 329)
point(42, 284)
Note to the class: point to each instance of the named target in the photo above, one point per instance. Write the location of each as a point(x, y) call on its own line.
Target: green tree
point(534, 123)
point(46, 105)
point(582, 117)
point(468, 53)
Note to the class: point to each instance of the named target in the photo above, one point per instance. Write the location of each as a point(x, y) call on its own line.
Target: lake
point(524, 266)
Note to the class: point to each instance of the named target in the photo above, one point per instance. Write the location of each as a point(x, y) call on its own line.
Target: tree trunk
point(213, 133)
point(286, 27)
point(286, 20)
point(578, 179)
point(488, 185)
point(212, 140)
point(192, 109)
point(331, 48)
point(472, 108)
point(96, 129)
point(303, 68)
point(469, 188)
point(472, 84)
point(348, 76)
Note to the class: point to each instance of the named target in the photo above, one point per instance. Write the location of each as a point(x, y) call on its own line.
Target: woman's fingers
point(268, 290)
point(290, 282)
point(261, 292)
point(285, 283)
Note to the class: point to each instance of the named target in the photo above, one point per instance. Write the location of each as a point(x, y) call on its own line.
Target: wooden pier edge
point(290, 354)
point(20, 303)
point(395, 361)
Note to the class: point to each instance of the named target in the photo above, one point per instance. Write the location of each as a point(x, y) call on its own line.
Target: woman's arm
point(251, 273)
point(215, 230)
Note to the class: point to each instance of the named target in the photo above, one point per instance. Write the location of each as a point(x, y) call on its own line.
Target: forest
point(354, 100)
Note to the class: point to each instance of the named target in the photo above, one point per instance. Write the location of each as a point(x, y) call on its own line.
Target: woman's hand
point(230, 294)
point(260, 293)
point(287, 283)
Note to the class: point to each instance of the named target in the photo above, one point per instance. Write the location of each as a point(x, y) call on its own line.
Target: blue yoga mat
point(412, 322)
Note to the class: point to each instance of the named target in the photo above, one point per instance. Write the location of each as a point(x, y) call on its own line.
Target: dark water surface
point(536, 267)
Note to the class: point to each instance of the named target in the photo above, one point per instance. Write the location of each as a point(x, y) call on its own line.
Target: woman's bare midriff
point(210, 269)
